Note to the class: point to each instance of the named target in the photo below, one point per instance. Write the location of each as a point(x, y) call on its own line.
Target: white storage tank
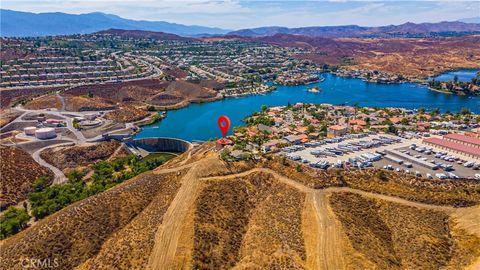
point(45, 133)
point(30, 131)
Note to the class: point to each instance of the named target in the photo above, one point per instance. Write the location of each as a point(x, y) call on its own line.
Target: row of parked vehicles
point(351, 147)
point(295, 148)
point(447, 175)
point(362, 161)
point(443, 156)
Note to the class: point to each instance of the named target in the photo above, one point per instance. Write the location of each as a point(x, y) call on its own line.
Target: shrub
point(13, 221)
point(299, 168)
point(381, 175)
point(40, 183)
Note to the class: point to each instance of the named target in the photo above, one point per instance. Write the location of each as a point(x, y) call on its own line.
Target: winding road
point(59, 176)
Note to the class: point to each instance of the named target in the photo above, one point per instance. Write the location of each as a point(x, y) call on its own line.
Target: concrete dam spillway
point(144, 146)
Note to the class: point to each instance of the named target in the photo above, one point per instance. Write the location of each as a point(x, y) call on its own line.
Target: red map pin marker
point(223, 124)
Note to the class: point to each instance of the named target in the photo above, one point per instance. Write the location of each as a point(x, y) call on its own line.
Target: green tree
point(391, 129)
point(404, 121)
point(381, 175)
point(264, 108)
point(310, 128)
point(40, 183)
point(13, 221)
point(465, 111)
point(75, 176)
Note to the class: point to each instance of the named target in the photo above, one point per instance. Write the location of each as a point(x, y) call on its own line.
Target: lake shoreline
point(197, 121)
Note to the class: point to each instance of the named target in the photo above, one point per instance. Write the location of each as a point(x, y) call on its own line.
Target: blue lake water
point(199, 121)
point(464, 75)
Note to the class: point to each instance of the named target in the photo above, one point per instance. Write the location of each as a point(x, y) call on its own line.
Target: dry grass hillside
point(126, 114)
point(18, 171)
point(147, 91)
point(395, 236)
point(80, 103)
point(10, 96)
point(249, 221)
point(76, 234)
point(182, 92)
point(78, 157)
point(45, 102)
point(412, 58)
point(7, 116)
point(199, 212)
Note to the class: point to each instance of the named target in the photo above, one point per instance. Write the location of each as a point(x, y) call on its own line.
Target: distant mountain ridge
point(406, 29)
point(27, 24)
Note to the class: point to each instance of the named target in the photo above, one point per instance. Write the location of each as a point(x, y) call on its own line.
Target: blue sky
point(234, 14)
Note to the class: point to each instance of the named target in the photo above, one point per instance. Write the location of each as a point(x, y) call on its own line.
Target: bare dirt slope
point(18, 171)
point(68, 158)
point(198, 212)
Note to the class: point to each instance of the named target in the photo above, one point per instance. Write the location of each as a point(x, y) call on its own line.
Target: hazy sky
point(234, 14)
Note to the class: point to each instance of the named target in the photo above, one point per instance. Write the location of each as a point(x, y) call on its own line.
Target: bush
point(381, 175)
point(40, 183)
point(299, 168)
point(13, 221)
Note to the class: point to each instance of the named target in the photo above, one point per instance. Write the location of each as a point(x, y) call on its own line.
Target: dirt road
point(329, 239)
point(326, 250)
point(168, 234)
point(59, 176)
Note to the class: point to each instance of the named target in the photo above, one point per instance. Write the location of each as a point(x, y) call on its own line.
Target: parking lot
point(384, 151)
point(452, 165)
point(365, 147)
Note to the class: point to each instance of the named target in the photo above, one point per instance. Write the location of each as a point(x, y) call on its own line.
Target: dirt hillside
point(199, 212)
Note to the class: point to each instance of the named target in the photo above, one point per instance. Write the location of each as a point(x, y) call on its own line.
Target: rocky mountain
point(404, 30)
point(22, 24)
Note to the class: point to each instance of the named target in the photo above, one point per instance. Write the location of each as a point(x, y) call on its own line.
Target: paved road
point(18, 119)
point(79, 136)
point(59, 176)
